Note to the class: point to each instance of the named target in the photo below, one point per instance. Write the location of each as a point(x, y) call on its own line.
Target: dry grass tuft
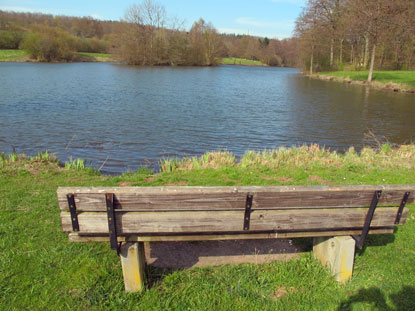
point(212, 160)
point(386, 156)
point(281, 291)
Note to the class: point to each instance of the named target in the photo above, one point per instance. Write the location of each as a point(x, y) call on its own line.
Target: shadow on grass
point(402, 300)
point(154, 275)
point(163, 258)
point(178, 255)
point(376, 240)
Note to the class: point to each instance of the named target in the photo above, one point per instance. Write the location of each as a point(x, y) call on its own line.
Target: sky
point(265, 18)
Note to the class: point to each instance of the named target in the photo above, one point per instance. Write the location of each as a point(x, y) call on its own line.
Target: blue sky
point(271, 18)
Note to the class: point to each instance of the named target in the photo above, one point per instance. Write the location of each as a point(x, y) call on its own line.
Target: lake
point(120, 117)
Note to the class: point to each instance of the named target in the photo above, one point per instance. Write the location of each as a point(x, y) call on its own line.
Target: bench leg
point(337, 253)
point(133, 265)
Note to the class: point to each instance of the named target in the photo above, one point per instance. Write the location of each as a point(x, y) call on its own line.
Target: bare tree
point(366, 28)
point(375, 17)
point(328, 14)
point(205, 43)
point(142, 24)
point(308, 28)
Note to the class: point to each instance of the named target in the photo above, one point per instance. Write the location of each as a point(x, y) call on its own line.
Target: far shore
point(20, 56)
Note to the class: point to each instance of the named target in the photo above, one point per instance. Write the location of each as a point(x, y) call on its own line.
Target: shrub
point(275, 60)
point(10, 39)
point(48, 44)
point(93, 45)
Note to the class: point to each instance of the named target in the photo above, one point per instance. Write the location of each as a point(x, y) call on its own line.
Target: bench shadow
point(376, 240)
point(165, 257)
point(179, 255)
point(402, 301)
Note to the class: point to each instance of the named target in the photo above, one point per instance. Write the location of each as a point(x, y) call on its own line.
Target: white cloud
point(47, 11)
point(24, 9)
point(97, 16)
point(282, 25)
point(296, 2)
point(239, 31)
point(19, 9)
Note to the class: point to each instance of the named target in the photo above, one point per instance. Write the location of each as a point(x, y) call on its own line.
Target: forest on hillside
point(146, 35)
point(374, 34)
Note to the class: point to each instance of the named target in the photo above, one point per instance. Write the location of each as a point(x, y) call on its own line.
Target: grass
point(100, 55)
point(12, 55)
point(19, 55)
point(299, 158)
point(213, 160)
point(77, 164)
point(400, 77)
point(241, 61)
point(41, 270)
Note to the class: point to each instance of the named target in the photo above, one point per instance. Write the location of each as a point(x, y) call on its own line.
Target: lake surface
point(121, 117)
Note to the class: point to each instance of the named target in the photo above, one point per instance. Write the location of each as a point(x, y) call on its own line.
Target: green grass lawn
point(41, 270)
point(101, 55)
point(12, 55)
point(241, 61)
point(17, 55)
point(405, 77)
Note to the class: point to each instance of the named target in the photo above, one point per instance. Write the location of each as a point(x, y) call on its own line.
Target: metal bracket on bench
point(248, 207)
point(109, 198)
point(72, 209)
point(361, 239)
point(401, 207)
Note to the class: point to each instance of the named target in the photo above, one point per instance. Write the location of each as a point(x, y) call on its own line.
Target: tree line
point(145, 36)
point(364, 34)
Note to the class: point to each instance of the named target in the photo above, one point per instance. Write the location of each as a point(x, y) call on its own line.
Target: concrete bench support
point(133, 266)
point(337, 253)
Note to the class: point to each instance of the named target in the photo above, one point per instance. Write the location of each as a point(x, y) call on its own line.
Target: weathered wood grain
point(230, 189)
point(231, 198)
point(325, 199)
point(75, 237)
point(160, 202)
point(227, 221)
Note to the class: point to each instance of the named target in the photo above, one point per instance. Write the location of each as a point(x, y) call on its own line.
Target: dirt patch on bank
point(320, 180)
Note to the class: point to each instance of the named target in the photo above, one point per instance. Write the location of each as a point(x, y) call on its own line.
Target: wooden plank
point(161, 202)
point(266, 200)
point(230, 189)
point(229, 198)
point(75, 237)
point(227, 221)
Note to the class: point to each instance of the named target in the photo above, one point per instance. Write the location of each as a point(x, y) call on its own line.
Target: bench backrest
point(236, 210)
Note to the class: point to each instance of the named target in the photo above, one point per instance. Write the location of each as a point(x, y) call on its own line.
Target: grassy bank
point(100, 55)
point(40, 269)
point(95, 57)
point(13, 55)
point(393, 80)
point(241, 62)
point(22, 56)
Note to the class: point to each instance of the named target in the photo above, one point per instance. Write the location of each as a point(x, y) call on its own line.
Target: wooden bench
point(338, 218)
